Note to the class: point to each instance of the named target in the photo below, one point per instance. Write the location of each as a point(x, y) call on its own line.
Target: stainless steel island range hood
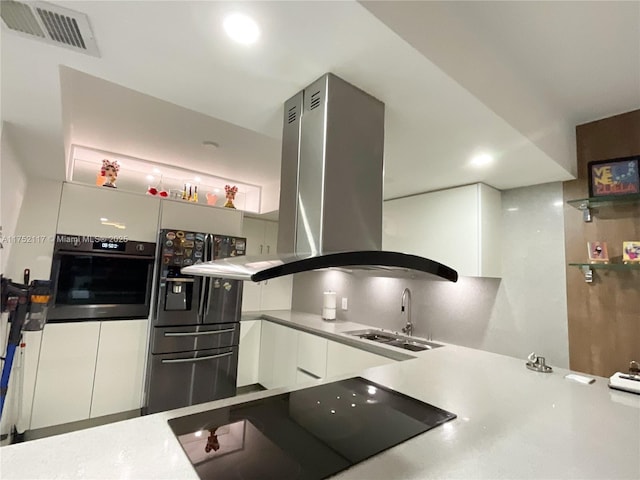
point(330, 193)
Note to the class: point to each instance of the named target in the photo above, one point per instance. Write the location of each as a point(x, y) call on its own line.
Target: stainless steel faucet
point(406, 306)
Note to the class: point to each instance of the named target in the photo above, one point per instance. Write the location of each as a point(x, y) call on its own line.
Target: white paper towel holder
point(329, 306)
point(329, 314)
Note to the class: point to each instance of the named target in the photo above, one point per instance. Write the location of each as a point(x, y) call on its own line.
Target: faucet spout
point(406, 307)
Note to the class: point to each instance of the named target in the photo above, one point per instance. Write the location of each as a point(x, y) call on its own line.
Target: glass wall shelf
point(608, 266)
point(587, 268)
point(586, 204)
point(608, 201)
point(137, 175)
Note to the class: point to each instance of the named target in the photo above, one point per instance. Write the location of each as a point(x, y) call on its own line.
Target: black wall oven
point(101, 278)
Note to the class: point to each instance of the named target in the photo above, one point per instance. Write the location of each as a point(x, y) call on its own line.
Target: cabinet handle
point(261, 246)
point(194, 334)
point(268, 248)
point(199, 359)
point(307, 372)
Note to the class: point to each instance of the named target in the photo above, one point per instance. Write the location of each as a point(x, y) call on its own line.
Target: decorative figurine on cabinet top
point(110, 171)
point(231, 195)
point(212, 198)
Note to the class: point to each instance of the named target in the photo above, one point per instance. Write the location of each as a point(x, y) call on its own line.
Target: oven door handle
point(199, 359)
point(80, 253)
point(194, 334)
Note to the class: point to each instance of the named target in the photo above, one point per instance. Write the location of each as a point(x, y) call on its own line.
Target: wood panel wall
point(604, 317)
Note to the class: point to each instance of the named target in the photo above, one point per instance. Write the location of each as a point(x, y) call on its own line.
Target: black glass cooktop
point(308, 434)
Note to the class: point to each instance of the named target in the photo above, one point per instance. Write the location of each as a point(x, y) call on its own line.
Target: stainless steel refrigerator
point(193, 355)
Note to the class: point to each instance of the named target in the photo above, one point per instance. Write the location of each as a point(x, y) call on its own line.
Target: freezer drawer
point(194, 337)
point(182, 379)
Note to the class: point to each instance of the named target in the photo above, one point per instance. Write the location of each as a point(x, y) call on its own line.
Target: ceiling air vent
point(292, 114)
point(51, 24)
point(315, 100)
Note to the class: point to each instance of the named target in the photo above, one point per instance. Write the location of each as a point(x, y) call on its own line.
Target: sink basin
point(414, 345)
point(377, 337)
point(394, 339)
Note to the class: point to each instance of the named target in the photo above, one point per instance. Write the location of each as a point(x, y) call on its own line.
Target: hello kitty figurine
point(109, 170)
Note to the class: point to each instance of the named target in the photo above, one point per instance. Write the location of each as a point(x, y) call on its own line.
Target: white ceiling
point(512, 78)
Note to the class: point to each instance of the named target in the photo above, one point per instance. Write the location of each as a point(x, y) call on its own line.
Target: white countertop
point(512, 423)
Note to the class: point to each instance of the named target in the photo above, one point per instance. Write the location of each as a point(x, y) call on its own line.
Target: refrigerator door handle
point(203, 287)
point(204, 280)
point(208, 304)
point(199, 359)
point(193, 334)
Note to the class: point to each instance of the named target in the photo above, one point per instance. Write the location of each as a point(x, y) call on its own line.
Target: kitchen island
point(511, 423)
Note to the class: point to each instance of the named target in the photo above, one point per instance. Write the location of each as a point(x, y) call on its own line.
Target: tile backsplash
point(521, 312)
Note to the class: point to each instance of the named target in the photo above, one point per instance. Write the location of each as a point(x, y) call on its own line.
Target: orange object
point(211, 199)
point(40, 298)
point(100, 179)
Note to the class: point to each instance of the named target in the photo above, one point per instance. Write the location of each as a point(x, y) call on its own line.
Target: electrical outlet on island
point(344, 303)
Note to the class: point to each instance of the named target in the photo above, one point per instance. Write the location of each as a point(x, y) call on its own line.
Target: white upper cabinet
point(275, 294)
point(200, 218)
point(253, 230)
point(262, 236)
point(459, 227)
point(107, 212)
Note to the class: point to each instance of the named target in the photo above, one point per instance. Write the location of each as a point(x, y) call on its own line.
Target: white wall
point(38, 218)
point(13, 183)
point(37, 222)
point(524, 311)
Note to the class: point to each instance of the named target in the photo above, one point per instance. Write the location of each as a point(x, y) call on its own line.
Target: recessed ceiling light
point(150, 178)
point(156, 170)
point(481, 160)
point(241, 28)
point(197, 180)
point(210, 143)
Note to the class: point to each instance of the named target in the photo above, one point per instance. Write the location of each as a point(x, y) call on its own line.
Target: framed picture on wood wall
point(619, 176)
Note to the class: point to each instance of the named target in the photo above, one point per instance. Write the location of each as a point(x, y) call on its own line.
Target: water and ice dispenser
point(179, 291)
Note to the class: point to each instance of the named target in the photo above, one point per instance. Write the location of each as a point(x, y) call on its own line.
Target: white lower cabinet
point(120, 367)
point(278, 354)
point(88, 369)
point(249, 353)
point(312, 356)
point(289, 357)
point(64, 382)
point(343, 359)
point(304, 377)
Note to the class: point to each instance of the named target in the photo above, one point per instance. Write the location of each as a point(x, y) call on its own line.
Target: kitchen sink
point(394, 339)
